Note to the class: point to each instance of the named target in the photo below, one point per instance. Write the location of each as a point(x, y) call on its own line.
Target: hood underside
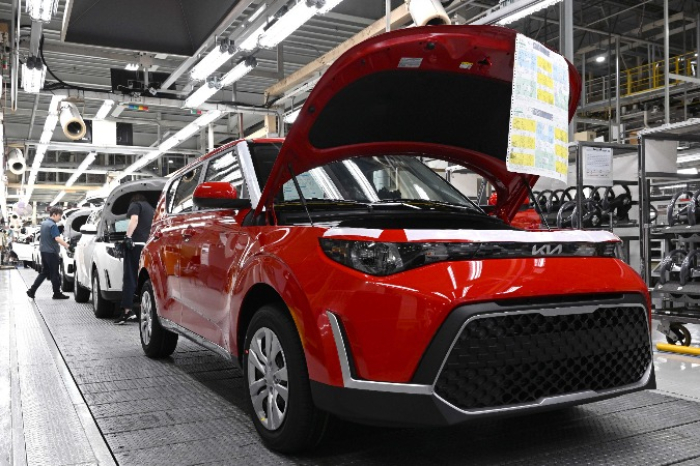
point(438, 91)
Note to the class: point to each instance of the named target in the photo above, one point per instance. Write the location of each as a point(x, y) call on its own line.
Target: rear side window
point(227, 168)
point(181, 200)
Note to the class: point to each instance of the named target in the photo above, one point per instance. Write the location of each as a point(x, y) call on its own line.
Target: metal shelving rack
point(674, 304)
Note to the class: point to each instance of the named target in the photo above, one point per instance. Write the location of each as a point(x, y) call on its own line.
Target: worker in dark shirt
point(140, 215)
point(50, 254)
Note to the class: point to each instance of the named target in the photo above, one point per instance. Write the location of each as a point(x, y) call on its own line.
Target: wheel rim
point(267, 378)
point(146, 317)
point(95, 290)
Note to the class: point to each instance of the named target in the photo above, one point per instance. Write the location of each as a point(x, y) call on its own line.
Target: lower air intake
point(520, 358)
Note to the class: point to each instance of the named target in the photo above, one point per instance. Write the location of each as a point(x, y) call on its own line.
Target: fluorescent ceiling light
point(58, 198)
point(238, 71)
point(288, 23)
point(291, 117)
point(168, 144)
point(131, 66)
point(185, 133)
point(200, 96)
point(33, 75)
point(528, 10)
point(688, 171)
point(212, 62)
point(208, 118)
point(328, 6)
point(104, 109)
point(688, 158)
point(257, 13)
point(87, 161)
point(49, 127)
point(207, 90)
point(600, 59)
point(41, 10)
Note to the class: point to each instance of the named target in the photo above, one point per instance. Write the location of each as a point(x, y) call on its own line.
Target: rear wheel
point(100, 306)
point(279, 396)
point(156, 341)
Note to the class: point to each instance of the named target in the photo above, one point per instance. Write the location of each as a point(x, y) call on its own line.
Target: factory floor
point(76, 390)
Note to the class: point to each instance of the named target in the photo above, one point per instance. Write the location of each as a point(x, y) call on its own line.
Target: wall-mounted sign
point(597, 166)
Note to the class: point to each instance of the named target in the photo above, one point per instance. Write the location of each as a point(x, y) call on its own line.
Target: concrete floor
point(77, 390)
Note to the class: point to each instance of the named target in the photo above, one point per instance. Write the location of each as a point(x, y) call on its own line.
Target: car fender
point(314, 330)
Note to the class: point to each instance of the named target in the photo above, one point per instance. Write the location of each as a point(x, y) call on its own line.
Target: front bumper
point(451, 385)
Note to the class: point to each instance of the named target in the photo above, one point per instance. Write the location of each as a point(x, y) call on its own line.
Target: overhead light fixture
point(213, 61)
point(57, 198)
point(87, 161)
point(104, 109)
point(207, 90)
point(33, 75)
point(41, 10)
point(328, 6)
point(688, 171)
point(174, 140)
point(132, 67)
point(600, 59)
point(288, 23)
point(256, 14)
point(292, 117)
point(38, 158)
point(510, 11)
point(688, 158)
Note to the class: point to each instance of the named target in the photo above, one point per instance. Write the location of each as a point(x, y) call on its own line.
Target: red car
point(351, 281)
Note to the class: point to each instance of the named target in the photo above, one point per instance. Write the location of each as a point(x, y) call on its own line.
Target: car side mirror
point(88, 229)
point(218, 195)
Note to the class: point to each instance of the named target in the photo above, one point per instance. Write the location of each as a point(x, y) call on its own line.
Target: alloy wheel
point(267, 378)
point(146, 318)
point(95, 290)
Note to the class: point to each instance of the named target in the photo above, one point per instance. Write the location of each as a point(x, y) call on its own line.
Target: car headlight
point(380, 258)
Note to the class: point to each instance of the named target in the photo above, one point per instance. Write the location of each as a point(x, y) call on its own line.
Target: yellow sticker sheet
point(539, 116)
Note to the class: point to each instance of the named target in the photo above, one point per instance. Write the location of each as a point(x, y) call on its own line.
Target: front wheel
point(279, 396)
point(100, 306)
point(66, 285)
point(156, 341)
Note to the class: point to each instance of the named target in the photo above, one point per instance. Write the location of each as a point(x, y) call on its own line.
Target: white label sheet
point(539, 112)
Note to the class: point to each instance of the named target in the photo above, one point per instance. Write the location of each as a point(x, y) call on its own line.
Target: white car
point(36, 254)
point(98, 257)
point(71, 234)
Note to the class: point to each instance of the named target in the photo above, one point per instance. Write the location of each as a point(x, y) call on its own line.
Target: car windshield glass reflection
point(376, 181)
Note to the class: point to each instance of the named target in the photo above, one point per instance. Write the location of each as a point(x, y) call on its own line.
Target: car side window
point(186, 184)
point(227, 168)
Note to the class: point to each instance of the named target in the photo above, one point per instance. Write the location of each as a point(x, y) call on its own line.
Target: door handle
point(189, 231)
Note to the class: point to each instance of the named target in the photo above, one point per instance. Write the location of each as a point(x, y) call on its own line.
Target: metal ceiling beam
point(398, 17)
point(57, 187)
point(97, 52)
point(102, 149)
point(159, 102)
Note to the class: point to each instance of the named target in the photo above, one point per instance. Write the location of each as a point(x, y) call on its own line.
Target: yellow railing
point(641, 78)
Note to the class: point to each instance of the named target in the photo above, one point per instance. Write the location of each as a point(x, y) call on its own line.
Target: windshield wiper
point(416, 204)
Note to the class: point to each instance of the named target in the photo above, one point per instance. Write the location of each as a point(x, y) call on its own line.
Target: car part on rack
point(689, 265)
point(693, 210)
point(678, 213)
point(671, 264)
point(620, 204)
point(678, 334)
point(556, 200)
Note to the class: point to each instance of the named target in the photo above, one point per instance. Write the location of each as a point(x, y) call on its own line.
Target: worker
point(50, 258)
point(140, 215)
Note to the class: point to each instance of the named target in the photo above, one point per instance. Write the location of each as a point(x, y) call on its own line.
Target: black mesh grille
point(507, 360)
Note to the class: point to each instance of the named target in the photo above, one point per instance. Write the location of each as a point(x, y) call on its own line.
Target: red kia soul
point(351, 281)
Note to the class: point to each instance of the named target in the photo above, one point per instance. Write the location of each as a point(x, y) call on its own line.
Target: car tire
point(156, 341)
point(66, 285)
point(100, 306)
point(301, 425)
point(80, 293)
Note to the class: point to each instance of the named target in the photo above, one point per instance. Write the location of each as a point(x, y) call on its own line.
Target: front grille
point(519, 358)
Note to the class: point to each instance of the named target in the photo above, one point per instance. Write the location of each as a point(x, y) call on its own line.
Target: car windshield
point(389, 180)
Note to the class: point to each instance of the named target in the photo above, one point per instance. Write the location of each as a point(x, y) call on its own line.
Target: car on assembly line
point(98, 255)
point(351, 281)
point(72, 223)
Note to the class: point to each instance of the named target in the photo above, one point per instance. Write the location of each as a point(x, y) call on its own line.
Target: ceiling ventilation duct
point(71, 122)
point(16, 162)
point(427, 12)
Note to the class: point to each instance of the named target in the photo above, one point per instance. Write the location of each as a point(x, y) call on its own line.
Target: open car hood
point(117, 203)
point(442, 91)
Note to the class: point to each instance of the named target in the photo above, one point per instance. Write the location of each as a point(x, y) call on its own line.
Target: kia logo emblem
point(547, 250)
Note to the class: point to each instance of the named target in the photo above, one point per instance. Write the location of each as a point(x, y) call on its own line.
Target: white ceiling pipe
point(427, 12)
point(16, 162)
